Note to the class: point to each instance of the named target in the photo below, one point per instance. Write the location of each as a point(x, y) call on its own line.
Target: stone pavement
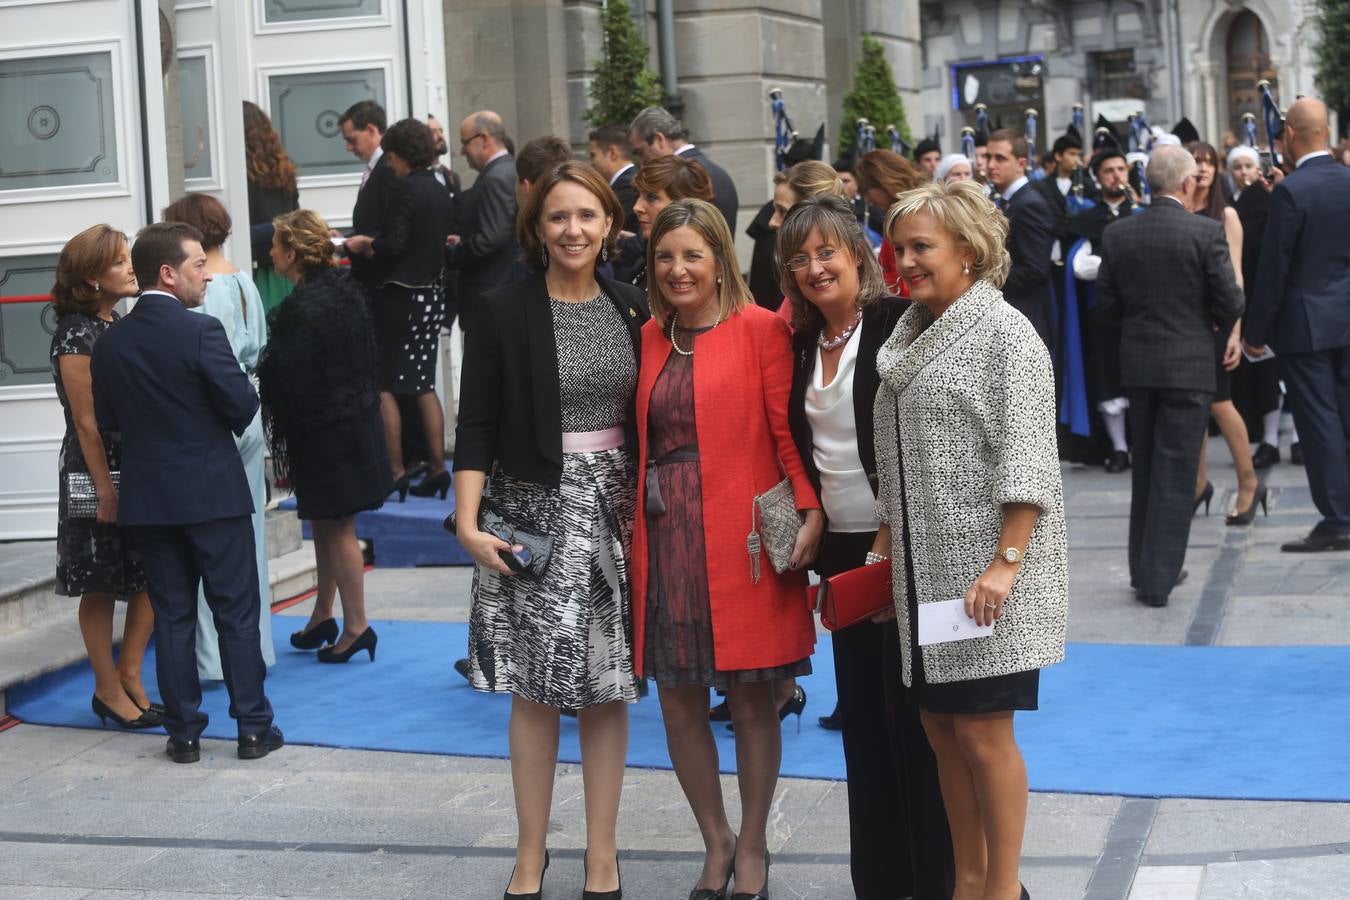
point(101, 814)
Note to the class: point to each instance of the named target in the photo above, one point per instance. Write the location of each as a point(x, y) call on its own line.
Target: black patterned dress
point(565, 639)
point(91, 557)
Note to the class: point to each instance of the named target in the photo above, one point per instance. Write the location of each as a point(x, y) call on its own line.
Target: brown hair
point(1214, 206)
point(85, 257)
point(832, 218)
point(539, 155)
point(267, 163)
point(577, 172)
point(676, 176)
point(703, 217)
point(204, 213)
point(1020, 149)
point(887, 170)
point(411, 141)
point(304, 232)
point(160, 244)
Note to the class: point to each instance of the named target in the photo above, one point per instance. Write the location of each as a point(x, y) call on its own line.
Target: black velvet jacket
point(878, 322)
point(510, 402)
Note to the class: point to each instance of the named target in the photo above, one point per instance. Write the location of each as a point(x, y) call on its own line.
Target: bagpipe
point(783, 133)
point(1249, 130)
point(1034, 171)
point(968, 143)
point(898, 144)
point(867, 137)
point(1141, 135)
point(1077, 201)
point(1270, 115)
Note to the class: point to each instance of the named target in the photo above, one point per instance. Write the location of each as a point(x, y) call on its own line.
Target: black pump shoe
point(1249, 514)
point(366, 641)
point(1205, 496)
point(762, 893)
point(699, 893)
point(587, 894)
point(432, 485)
point(326, 632)
point(533, 895)
point(146, 719)
point(793, 707)
point(402, 486)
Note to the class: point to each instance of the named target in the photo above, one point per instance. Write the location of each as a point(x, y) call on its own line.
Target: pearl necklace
point(841, 339)
point(678, 349)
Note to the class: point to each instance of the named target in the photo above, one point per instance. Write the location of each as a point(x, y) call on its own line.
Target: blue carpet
point(403, 535)
point(1268, 723)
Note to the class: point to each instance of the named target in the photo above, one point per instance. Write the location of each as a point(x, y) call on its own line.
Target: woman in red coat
point(713, 433)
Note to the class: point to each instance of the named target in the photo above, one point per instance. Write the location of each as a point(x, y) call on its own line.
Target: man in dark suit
point(484, 249)
point(168, 381)
point(363, 127)
point(1031, 233)
point(1301, 308)
point(655, 132)
point(609, 155)
point(1166, 280)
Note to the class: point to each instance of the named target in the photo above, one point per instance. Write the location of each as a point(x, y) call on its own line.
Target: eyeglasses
point(801, 260)
point(465, 142)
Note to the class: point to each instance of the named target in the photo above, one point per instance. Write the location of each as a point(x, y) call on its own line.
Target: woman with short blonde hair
point(971, 507)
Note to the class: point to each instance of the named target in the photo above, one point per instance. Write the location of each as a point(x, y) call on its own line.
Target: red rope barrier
point(27, 298)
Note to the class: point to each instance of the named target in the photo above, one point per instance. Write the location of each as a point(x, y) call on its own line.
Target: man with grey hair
point(484, 248)
point(656, 133)
point(1166, 282)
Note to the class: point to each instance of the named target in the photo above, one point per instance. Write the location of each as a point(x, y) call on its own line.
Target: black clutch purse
point(535, 549)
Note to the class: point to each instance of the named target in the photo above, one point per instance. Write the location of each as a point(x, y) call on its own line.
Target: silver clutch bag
point(81, 497)
point(774, 523)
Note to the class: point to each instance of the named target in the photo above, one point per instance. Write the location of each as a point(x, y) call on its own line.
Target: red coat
point(742, 376)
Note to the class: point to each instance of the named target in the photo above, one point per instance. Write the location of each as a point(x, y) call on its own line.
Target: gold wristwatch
point(1010, 555)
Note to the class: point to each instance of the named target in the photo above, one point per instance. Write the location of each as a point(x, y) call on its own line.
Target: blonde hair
point(964, 212)
point(810, 178)
point(306, 233)
point(708, 223)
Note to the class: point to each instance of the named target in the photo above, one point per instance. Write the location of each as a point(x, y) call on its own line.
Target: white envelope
point(946, 621)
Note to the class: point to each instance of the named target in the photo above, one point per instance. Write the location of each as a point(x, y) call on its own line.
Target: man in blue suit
point(168, 381)
point(1301, 308)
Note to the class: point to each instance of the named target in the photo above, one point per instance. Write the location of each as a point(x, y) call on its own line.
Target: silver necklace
point(678, 349)
point(841, 339)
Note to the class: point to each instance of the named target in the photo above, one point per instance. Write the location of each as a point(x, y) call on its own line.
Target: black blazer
point(412, 245)
point(1031, 234)
point(167, 380)
point(627, 193)
point(510, 403)
point(724, 189)
point(370, 216)
point(486, 218)
point(1166, 280)
point(878, 322)
point(1302, 299)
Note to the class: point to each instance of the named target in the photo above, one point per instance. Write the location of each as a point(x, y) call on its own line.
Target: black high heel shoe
point(432, 485)
point(699, 893)
point(401, 487)
point(533, 895)
point(720, 713)
point(762, 893)
point(365, 641)
point(793, 707)
point(1205, 496)
point(146, 719)
point(1249, 514)
point(587, 894)
point(326, 632)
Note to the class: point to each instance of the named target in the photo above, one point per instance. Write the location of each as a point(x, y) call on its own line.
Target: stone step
point(284, 534)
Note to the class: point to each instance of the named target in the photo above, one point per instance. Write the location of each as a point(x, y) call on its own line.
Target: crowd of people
point(653, 449)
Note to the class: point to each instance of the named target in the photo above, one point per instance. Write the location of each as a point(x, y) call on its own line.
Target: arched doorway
point(1248, 57)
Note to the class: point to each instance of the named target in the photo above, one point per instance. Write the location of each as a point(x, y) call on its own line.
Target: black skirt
point(341, 469)
point(407, 335)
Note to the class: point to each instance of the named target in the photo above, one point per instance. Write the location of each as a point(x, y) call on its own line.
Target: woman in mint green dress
point(232, 298)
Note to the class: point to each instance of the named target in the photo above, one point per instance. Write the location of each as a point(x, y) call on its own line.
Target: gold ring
point(991, 606)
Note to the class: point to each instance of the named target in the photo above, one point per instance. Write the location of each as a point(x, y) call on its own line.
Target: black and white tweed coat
point(968, 400)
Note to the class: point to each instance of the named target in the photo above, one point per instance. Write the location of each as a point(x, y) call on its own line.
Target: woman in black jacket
point(409, 307)
point(316, 380)
point(550, 373)
point(899, 842)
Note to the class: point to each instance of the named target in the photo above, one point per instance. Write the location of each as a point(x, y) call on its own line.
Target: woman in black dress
point(321, 409)
point(409, 308)
point(92, 274)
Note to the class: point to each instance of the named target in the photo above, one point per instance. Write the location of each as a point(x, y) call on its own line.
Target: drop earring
point(604, 252)
point(965, 268)
point(97, 289)
point(543, 256)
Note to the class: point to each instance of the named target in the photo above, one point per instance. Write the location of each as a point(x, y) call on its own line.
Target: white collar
point(618, 173)
point(684, 149)
point(1014, 188)
point(1307, 156)
point(374, 158)
point(498, 155)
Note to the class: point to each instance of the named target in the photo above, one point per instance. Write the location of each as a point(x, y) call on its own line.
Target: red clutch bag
point(850, 597)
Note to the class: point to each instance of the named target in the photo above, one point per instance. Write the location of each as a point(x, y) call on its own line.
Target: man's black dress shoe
point(256, 746)
point(183, 751)
point(1318, 543)
point(1265, 456)
point(1118, 462)
point(1154, 600)
point(1296, 454)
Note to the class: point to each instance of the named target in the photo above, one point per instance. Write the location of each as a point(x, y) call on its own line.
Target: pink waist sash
point(593, 441)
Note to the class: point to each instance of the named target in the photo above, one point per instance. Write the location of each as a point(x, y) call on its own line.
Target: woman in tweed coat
point(971, 505)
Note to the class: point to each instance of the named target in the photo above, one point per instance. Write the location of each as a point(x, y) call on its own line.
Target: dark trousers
point(220, 555)
point(1319, 384)
point(1167, 430)
point(899, 844)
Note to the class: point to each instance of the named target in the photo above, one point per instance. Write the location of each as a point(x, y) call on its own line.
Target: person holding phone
point(970, 503)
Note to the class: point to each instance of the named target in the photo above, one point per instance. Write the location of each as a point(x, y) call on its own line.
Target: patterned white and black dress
point(565, 640)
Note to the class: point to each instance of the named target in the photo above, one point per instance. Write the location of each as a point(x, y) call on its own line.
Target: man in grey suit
point(1301, 307)
point(483, 250)
point(1166, 282)
point(655, 133)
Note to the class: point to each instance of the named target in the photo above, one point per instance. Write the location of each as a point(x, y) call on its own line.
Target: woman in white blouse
point(898, 829)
